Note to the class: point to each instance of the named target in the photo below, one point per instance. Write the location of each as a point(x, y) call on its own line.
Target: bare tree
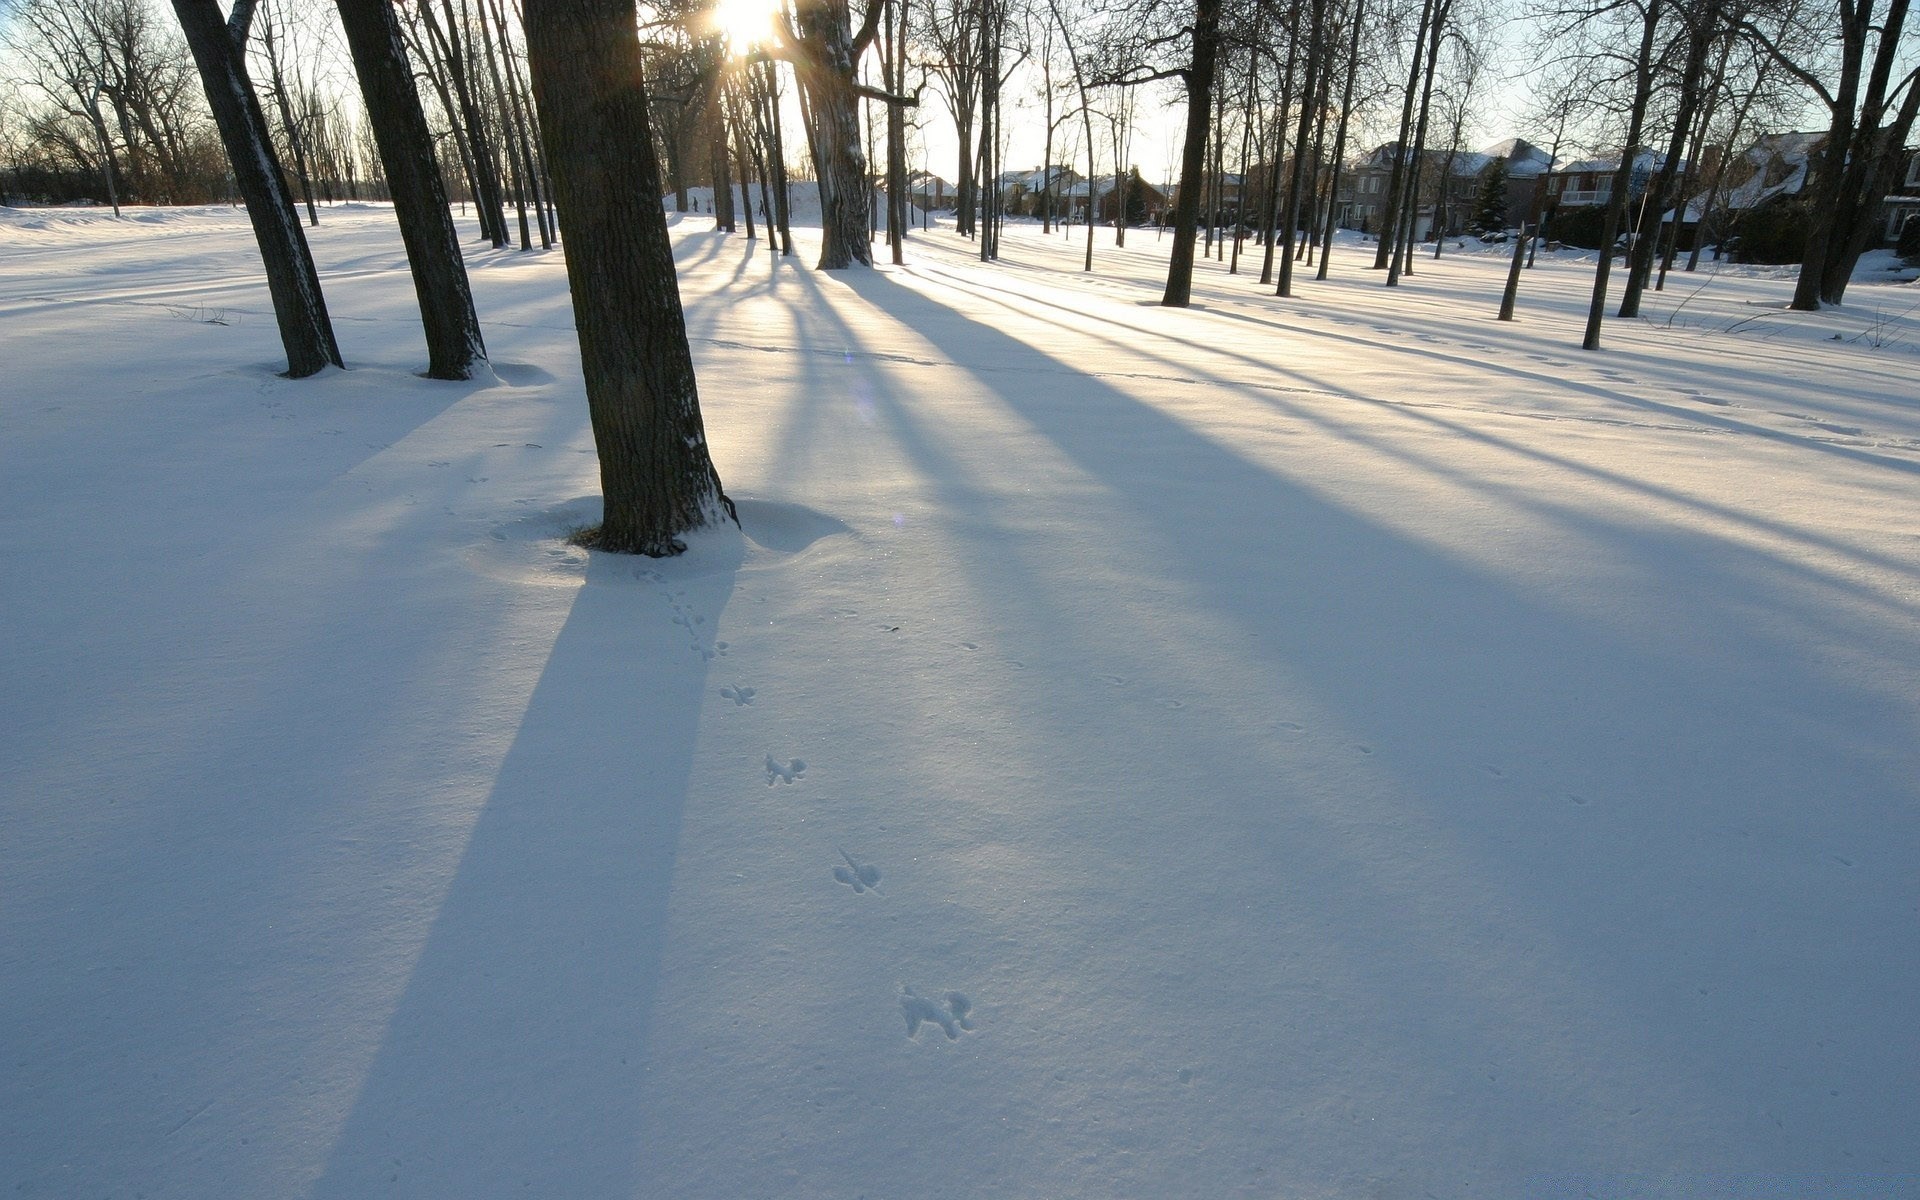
point(1872, 97)
point(116, 97)
point(218, 47)
point(656, 473)
point(454, 345)
point(1649, 14)
point(824, 45)
point(1182, 44)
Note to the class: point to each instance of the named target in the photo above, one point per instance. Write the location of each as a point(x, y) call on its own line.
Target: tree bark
point(657, 476)
point(1340, 136)
point(825, 62)
point(298, 305)
point(1623, 177)
point(1186, 213)
point(454, 344)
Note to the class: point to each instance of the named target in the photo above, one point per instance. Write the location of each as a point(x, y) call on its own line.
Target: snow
point(1347, 746)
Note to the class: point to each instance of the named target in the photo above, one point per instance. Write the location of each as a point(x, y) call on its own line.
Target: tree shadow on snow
point(515, 1059)
point(1463, 680)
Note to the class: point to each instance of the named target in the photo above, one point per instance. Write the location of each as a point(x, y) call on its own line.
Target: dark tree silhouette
point(419, 195)
point(218, 44)
point(658, 479)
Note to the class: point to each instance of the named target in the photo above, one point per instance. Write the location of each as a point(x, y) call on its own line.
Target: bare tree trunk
point(1623, 177)
point(1661, 189)
point(283, 101)
point(1200, 80)
point(486, 175)
point(1402, 263)
point(509, 134)
point(1274, 203)
point(1340, 135)
point(730, 120)
point(1309, 88)
point(531, 156)
point(107, 167)
point(1396, 178)
point(1250, 113)
point(298, 305)
point(825, 64)
point(437, 75)
point(894, 78)
point(769, 116)
point(454, 344)
point(657, 476)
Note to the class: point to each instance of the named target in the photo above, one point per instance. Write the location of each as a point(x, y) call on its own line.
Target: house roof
point(1645, 160)
point(1465, 162)
point(1523, 157)
point(1035, 179)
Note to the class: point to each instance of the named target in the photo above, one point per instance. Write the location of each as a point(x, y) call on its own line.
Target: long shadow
point(1698, 733)
point(514, 1060)
point(1022, 302)
point(1417, 410)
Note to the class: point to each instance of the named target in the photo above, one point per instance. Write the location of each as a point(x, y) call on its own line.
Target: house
point(925, 190)
point(1777, 166)
point(1361, 201)
point(1903, 204)
point(1588, 182)
point(1781, 166)
point(1229, 190)
point(1527, 168)
point(1152, 200)
point(1020, 191)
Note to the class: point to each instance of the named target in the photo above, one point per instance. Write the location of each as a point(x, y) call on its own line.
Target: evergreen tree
point(1490, 206)
point(1135, 205)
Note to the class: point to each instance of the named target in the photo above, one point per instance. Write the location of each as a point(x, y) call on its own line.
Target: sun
point(744, 23)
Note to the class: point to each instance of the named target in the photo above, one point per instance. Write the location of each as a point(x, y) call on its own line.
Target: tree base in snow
point(598, 538)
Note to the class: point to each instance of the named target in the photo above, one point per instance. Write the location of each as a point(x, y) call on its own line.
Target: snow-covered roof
point(1035, 179)
point(1755, 190)
point(1646, 160)
point(1524, 159)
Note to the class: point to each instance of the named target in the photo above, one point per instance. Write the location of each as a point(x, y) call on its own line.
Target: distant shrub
point(1578, 226)
point(1774, 233)
point(1908, 247)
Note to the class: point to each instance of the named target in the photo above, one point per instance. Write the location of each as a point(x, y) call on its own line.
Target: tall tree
point(656, 474)
point(219, 50)
point(1701, 24)
point(454, 345)
point(1871, 100)
point(1198, 76)
point(1650, 14)
point(825, 47)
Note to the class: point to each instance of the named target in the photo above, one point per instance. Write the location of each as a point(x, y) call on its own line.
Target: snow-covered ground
point(1343, 746)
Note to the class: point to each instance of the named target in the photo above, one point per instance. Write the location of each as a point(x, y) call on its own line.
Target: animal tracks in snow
point(787, 772)
point(950, 1013)
point(695, 624)
point(861, 877)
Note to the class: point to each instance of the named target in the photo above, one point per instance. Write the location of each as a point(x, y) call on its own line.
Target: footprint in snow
point(861, 877)
point(739, 693)
point(950, 1013)
point(777, 773)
